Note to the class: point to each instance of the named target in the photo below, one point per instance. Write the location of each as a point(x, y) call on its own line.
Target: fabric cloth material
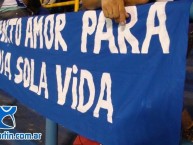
point(114, 84)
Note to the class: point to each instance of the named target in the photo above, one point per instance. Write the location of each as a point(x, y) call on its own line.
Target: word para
point(124, 32)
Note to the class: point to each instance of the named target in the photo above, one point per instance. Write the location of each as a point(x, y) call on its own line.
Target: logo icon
point(7, 111)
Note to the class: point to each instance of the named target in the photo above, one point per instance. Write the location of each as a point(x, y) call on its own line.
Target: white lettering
point(125, 33)
point(105, 104)
point(160, 30)
point(86, 75)
point(60, 24)
point(86, 29)
point(105, 36)
point(62, 88)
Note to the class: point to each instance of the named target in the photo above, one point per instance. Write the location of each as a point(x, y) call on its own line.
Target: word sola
point(25, 76)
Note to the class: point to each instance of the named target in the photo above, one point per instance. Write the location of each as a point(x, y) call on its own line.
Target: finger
point(110, 11)
point(126, 15)
point(105, 12)
point(117, 20)
point(104, 8)
point(115, 12)
point(122, 12)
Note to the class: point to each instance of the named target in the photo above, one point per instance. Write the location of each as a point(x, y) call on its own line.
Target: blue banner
point(115, 84)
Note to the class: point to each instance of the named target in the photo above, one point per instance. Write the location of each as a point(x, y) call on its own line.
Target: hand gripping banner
point(118, 85)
